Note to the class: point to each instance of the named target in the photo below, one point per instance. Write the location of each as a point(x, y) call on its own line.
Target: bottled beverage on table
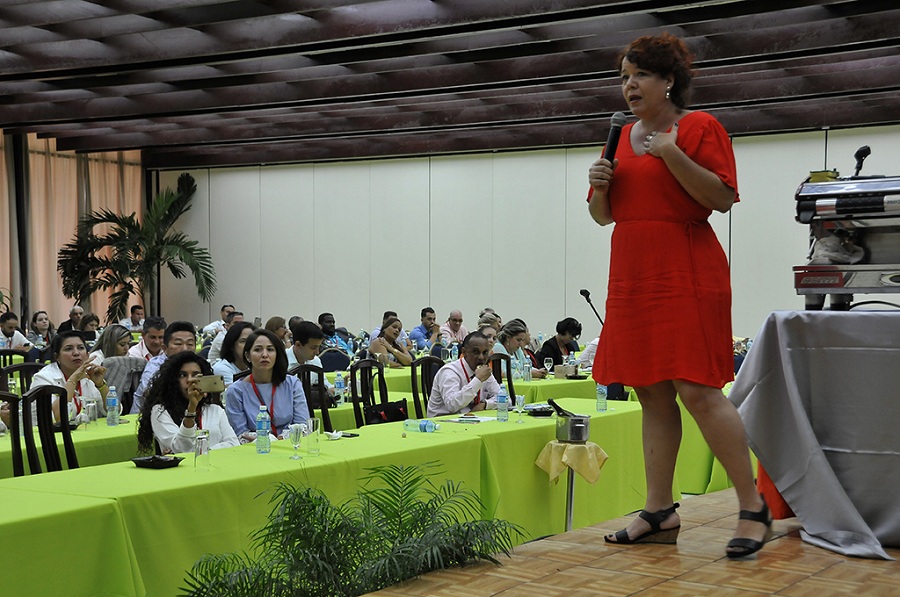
point(502, 405)
point(263, 425)
point(112, 407)
point(339, 388)
point(601, 398)
point(526, 370)
point(454, 353)
point(541, 338)
point(423, 425)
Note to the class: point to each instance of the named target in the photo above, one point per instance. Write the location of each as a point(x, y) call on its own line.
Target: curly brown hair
point(664, 55)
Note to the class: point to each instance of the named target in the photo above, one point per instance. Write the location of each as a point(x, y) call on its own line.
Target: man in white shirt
point(179, 336)
point(453, 330)
point(10, 336)
point(218, 325)
point(586, 358)
point(466, 384)
point(215, 348)
point(152, 333)
point(308, 339)
point(136, 321)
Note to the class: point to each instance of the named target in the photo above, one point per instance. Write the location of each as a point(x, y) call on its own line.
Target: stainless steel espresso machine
point(854, 227)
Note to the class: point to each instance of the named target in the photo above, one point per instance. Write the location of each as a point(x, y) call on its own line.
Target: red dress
point(668, 307)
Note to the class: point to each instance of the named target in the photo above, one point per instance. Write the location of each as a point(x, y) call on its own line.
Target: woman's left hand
point(96, 374)
point(656, 142)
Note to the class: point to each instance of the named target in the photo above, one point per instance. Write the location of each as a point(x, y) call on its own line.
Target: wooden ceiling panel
point(198, 82)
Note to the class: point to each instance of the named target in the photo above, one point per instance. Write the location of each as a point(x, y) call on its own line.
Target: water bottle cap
point(112, 388)
point(437, 426)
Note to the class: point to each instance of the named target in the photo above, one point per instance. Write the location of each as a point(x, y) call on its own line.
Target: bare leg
point(723, 430)
point(661, 431)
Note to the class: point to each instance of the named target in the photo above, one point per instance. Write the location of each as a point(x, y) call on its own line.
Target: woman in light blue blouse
point(268, 384)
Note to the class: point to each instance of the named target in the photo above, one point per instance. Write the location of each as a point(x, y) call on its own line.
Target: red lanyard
point(261, 403)
point(199, 419)
point(477, 400)
point(75, 396)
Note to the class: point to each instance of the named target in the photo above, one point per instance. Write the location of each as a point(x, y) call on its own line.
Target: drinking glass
point(313, 434)
point(520, 406)
point(90, 414)
point(296, 435)
point(445, 355)
point(201, 450)
point(548, 364)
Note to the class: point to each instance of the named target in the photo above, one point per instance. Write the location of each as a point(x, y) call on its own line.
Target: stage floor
point(580, 564)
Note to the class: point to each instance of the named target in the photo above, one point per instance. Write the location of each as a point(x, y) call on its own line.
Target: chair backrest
point(15, 431)
point(498, 361)
point(422, 373)
point(9, 357)
point(362, 387)
point(23, 372)
point(240, 376)
point(304, 374)
point(125, 374)
point(334, 359)
point(42, 397)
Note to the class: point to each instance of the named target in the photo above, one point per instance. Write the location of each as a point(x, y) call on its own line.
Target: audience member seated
point(152, 333)
point(511, 341)
point(308, 338)
point(466, 384)
point(10, 336)
point(335, 337)
point(42, 331)
point(232, 360)
point(490, 319)
point(564, 342)
point(388, 343)
point(76, 313)
point(278, 326)
point(113, 342)
point(268, 384)
point(174, 409)
point(404, 337)
point(586, 358)
point(489, 332)
point(72, 369)
point(213, 328)
point(88, 327)
point(453, 330)
point(428, 333)
point(136, 322)
point(215, 349)
point(179, 336)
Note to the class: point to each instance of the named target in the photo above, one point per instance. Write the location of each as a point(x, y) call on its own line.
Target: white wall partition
point(507, 230)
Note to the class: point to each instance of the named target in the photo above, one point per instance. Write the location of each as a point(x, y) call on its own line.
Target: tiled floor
point(580, 564)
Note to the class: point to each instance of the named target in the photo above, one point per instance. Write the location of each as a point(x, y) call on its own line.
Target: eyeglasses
point(456, 320)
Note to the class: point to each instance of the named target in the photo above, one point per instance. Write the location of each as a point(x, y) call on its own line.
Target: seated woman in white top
point(387, 343)
point(512, 338)
point(174, 409)
point(76, 372)
point(232, 353)
point(113, 342)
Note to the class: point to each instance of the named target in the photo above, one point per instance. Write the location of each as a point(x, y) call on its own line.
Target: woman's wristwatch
point(188, 414)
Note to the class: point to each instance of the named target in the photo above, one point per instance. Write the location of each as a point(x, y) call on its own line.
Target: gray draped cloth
point(118, 370)
point(819, 394)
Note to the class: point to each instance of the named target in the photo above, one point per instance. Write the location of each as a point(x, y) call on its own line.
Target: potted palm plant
point(127, 258)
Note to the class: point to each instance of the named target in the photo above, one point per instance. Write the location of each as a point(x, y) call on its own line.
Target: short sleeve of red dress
point(668, 308)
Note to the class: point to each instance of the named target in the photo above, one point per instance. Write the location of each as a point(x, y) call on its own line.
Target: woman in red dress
point(669, 298)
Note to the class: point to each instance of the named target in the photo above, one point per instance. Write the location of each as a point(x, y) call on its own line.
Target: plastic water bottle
point(423, 425)
point(526, 369)
point(454, 353)
point(601, 398)
point(263, 425)
point(339, 388)
point(541, 338)
point(502, 405)
point(112, 407)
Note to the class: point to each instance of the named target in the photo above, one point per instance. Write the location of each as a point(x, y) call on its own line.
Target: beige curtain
point(64, 186)
point(8, 273)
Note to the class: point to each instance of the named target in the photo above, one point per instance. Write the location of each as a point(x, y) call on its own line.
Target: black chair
point(23, 372)
point(204, 352)
point(334, 359)
point(134, 380)
point(240, 376)
point(15, 431)
point(497, 361)
point(314, 394)
point(422, 372)
point(6, 356)
point(362, 387)
point(125, 374)
point(42, 397)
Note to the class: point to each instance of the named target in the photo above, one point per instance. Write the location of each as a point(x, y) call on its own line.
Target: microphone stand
point(615, 391)
point(587, 297)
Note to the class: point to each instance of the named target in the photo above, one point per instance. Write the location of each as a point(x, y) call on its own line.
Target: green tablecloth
point(98, 445)
point(539, 390)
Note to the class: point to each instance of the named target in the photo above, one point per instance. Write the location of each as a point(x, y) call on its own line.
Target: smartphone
point(210, 383)
point(257, 321)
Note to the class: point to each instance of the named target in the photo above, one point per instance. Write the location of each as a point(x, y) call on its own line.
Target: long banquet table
point(818, 397)
point(169, 518)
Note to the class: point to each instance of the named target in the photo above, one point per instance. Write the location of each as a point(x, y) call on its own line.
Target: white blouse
point(177, 439)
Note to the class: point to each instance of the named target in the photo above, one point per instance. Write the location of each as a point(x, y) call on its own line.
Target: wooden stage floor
point(581, 564)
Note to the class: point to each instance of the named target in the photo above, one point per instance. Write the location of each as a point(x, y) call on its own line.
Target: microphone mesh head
point(618, 119)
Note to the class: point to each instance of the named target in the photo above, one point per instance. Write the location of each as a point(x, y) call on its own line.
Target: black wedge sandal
point(655, 534)
point(744, 546)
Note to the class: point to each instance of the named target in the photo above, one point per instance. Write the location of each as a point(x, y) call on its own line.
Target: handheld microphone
point(612, 142)
point(861, 154)
point(587, 296)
